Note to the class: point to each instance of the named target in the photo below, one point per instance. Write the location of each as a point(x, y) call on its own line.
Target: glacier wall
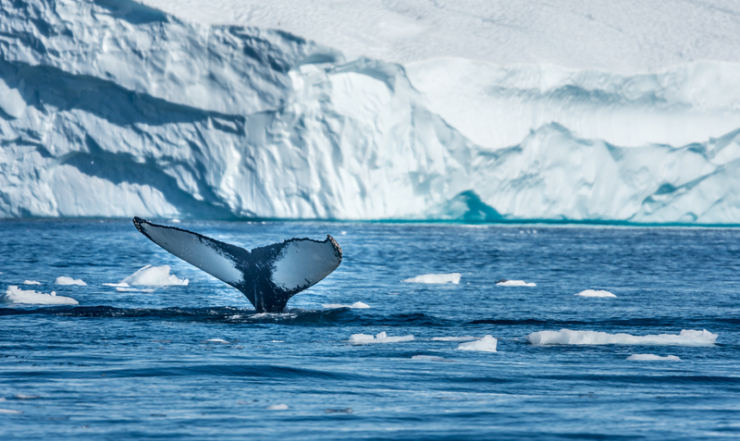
point(114, 109)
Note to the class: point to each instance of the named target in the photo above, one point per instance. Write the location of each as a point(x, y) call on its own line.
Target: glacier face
point(114, 109)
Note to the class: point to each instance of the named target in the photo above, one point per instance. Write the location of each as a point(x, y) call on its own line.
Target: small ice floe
point(595, 293)
point(25, 397)
point(361, 339)
point(485, 344)
point(356, 305)
point(435, 279)
point(277, 407)
point(463, 338)
point(652, 357)
point(427, 358)
point(17, 295)
point(31, 282)
point(10, 411)
point(154, 276)
point(344, 233)
point(64, 280)
point(568, 337)
point(504, 282)
point(116, 285)
point(216, 340)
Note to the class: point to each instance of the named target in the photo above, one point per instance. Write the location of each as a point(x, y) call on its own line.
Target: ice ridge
point(172, 119)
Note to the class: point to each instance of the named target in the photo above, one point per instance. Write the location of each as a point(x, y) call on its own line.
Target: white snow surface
point(574, 110)
point(64, 280)
point(652, 357)
point(453, 278)
point(485, 344)
point(152, 276)
point(595, 293)
point(361, 339)
point(15, 295)
point(356, 305)
point(516, 283)
point(568, 337)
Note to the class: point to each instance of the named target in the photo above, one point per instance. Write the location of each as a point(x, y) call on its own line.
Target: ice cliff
point(115, 109)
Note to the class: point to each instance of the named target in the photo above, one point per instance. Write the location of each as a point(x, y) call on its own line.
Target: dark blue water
point(137, 365)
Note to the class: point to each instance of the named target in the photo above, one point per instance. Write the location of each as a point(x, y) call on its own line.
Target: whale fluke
point(268, 276)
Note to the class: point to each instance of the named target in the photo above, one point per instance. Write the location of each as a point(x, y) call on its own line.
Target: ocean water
point(139, 365)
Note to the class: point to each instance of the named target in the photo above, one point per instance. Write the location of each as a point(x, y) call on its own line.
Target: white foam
point(64, 280)
point(277, 407)
point(31, 282)
point(427, 358)
point(515, 283)
point(16, 295)
point(568, 337)
point(435, 278)
point(10, 411)
point(485, 344)
point(25, 397)
point(356, 305)
point(463, 338)
point(116, 285)
point(154, 276)
point(652, 357)
point(595, 293)
point(361, 339)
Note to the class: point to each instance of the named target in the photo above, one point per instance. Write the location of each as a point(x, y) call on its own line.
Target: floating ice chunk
point(116, 285)
point(31, 282)
point(435, 278)
point(277, 407)
point(427, 358)
point(64, 280)
point(360, 339)
point(568, 337)
point(25, 397)
point(485, 344)
point(10, 411)
point(124, 289)
point(16, 295)
point(154, 276)
point(652, 357)
point(463, 338)
point(356, 305)
point(504, 282)
point(595, 293)
point(216, 340)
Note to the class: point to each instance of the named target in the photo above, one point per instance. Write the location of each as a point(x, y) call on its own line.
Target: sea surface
point(125, 365)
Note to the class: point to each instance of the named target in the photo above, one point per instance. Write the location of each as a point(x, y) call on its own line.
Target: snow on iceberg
point(356, 305)
point(485, 344)
point(361, 339)
point(652, 357)
point(64, 280)
point(16, 295)
point(212, 135)
point(453, 278)
point(504, 282)
point(152, 276)
point(568, 337)
point(595, 293)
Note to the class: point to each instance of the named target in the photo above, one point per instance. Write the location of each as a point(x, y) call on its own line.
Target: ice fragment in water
point(427, 358)
point(154, 276)
point(277, 407)
point(485, 344)
point(568, 337)
point(359, 339)
point(595, 293)
point(652, 357)
point(10, 411)
point(16, 295)
point(31, 282)
point(64, 280)
point(504, 282)
point(356, 305)
point(435, 278)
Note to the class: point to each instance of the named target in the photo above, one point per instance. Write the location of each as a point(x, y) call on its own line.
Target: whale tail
point(268, 276)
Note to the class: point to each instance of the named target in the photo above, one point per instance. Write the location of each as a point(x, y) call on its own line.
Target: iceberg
point(485, 344)
point(150, 276)
point(173, 117)
point(19, 296)
point(567, 337)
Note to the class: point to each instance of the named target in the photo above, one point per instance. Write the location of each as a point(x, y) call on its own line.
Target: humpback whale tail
point(268, 276)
